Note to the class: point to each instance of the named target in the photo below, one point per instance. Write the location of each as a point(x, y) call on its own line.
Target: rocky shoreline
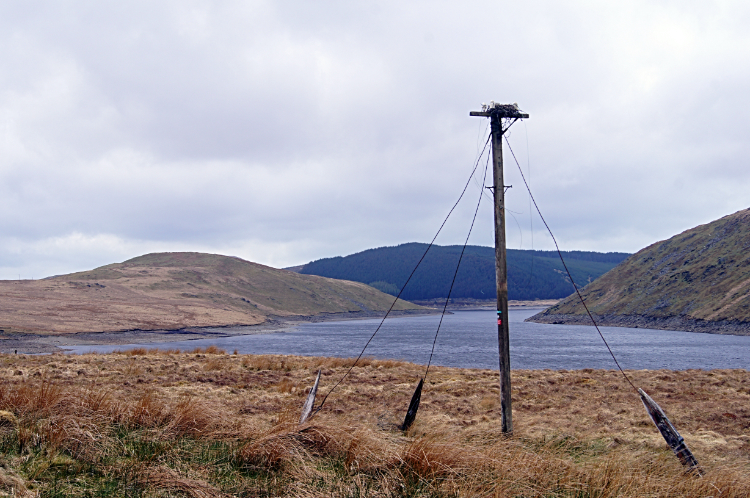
point(685, 324)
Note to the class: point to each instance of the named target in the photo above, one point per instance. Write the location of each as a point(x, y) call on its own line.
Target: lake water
point(469, 339)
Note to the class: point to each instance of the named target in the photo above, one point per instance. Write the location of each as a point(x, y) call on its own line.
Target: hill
point(531, 274)
point(696, 281)
point(171, 291)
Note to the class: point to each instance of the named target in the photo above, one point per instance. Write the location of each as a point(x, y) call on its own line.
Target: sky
point(283, 132)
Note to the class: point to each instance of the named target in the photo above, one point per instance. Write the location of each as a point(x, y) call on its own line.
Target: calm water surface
point(469, 339)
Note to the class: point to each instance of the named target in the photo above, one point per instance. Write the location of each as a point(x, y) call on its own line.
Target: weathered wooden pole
point(501, 273)
point(411, 413)
point(496, 113)
point(670, 434)
point(307, 408)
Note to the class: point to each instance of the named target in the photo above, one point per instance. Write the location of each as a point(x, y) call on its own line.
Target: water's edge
point(468, 339)
point(678, 323)
point(45, 344)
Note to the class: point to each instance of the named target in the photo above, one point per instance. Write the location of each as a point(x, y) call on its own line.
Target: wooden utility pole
point(497, 113)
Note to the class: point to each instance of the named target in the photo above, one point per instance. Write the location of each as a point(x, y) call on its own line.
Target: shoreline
point(483, 304)
point(675, 323)
point(47, 344)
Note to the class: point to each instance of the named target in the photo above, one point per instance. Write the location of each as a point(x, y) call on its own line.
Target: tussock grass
point(208, 424)
point(141, 351)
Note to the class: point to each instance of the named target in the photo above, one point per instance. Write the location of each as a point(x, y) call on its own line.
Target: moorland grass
point(149, 423)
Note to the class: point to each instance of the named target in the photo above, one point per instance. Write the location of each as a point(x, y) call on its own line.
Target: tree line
point(531, 274)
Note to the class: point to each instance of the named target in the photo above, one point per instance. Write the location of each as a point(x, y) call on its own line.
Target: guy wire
point(559, 253)
point(531, 214)
point(458, 265)
point(473, 171)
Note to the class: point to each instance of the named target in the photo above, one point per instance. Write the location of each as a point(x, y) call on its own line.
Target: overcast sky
point(283, 132)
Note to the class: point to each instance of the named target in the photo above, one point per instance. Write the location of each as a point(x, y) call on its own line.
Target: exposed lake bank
point(31, 343)
point(468, 304)
point(679, 323)
point(48, 343)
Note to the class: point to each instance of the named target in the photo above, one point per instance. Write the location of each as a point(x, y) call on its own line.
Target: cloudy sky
point(283, 132)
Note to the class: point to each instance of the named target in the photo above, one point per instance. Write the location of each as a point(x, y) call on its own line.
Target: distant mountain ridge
point(531, 274)
point(698, 280)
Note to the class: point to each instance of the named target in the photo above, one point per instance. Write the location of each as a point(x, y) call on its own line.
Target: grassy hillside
point(699, 278)
point(206, 424)
point(177, 290)
point(531, 274)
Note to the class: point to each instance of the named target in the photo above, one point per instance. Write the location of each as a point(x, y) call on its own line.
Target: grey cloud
point(287, 131)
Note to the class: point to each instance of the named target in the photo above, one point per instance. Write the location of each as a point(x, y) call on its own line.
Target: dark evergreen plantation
point(531, 274)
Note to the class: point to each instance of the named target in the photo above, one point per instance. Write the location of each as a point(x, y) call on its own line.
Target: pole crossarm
point(500, 111)
point(509, 112)
point(488, 114)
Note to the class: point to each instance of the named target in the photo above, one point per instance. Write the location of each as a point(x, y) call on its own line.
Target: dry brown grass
point(211, 424)
point(163, 478)
point(208, 350)
point(150, 351)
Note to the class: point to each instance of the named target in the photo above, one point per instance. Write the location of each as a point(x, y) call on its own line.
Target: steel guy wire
point(473, 171)
point(458, 265)
point(559, 253)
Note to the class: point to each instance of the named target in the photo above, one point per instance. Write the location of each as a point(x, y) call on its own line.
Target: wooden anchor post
point(670, 434)
point(310, 401)
point(496, 113)
point(411, 413)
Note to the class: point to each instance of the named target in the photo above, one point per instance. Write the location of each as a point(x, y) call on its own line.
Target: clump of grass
point(161, 477)
point(208, 350)
point(213, 364)
point(438, 458)
point(286, 386)
point(135, 352)
point(142, 351)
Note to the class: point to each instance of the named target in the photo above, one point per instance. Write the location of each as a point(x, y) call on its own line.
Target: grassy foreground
point(209, 424)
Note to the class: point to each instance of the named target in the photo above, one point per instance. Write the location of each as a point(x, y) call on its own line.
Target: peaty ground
point(207, 423)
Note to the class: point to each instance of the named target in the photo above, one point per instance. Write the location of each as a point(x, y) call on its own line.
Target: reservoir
point(468, 339)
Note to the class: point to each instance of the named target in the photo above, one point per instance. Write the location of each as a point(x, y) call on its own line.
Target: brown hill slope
point(174, 291)
point(698, 280)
